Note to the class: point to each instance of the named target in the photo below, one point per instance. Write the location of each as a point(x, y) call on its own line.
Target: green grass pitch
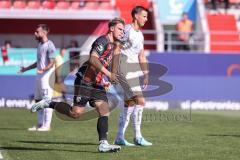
point(208, 135)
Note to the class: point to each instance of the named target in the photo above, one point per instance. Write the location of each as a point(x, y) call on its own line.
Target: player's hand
point(22, 69)
point(114, 78)
point(106, 85)
point(40, 71)
point(145, 81)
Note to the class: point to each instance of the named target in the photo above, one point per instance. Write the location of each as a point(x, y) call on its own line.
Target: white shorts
point(44, 85)
point(132, 72)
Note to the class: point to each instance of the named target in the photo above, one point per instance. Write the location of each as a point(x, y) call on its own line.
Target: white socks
point(123, 121)
point(135, 112)
point(48, 117)
point(40, 118)
point(137, 120)
point(45, 117)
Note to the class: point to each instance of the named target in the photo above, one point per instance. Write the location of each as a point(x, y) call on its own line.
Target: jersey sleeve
point(99, 45)
point(51, 51)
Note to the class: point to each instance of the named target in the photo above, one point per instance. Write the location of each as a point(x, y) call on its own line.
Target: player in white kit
point(44, 80)
point(133, 64)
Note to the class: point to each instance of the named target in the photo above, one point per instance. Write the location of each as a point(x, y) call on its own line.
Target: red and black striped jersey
point(104, 48)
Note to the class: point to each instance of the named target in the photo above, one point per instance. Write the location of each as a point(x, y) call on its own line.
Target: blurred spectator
point(58, 65)
point(73, 45)
point(58, 94)
point(184, 28)
point(73, 55)
point(214, 4)
point(4, 50)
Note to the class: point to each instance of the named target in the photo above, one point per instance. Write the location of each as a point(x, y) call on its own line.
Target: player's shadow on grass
point(43, 149)
point(47, 142)
point(224, 135)
point(11, 129)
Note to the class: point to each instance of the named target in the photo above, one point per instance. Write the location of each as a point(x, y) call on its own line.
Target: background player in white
point(45, 66)
point(133, 54)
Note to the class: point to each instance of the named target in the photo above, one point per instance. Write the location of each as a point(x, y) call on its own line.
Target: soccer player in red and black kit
point(88, 86)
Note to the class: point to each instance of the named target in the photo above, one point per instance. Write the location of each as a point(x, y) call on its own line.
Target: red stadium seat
point(107, 1)
point(48, 4)
point(5, 4)
point(34, 4)
point(62, 5)
point(95, 1)
point(91, 5)
point(106, 5)
point(234, 1)
point(19, 4)
point(75, 5)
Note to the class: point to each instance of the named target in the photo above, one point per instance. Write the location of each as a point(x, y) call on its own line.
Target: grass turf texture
point(209, 135)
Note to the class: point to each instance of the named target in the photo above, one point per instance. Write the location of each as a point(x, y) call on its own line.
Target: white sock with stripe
point(48, 117)
point(137, 120)
point(123, 122)
point(40, 114)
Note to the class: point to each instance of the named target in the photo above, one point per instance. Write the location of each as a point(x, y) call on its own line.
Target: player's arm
point(94, 61)
point(58, 71)
point(143, 62)
point(144, 67)
point(116, 56)
point(32, 66)
point(49, 66)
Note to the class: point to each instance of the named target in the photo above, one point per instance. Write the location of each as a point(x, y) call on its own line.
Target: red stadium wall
point(27, 26)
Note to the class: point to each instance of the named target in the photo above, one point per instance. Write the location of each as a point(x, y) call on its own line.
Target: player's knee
point(140, 101)
point(105, 114)
point(103, 111)
point(113, 102)
point(76, 112)
point(130, 102)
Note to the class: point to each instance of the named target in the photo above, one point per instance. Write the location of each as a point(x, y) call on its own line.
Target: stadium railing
point(196, 41)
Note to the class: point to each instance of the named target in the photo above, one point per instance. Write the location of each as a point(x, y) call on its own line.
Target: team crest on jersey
point(78, 99)
point(100, 48)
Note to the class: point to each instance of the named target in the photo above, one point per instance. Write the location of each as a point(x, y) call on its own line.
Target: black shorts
point(87, 92)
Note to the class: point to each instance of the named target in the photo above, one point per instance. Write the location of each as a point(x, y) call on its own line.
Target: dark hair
point(74, 44)
point(137, 10)
point(7, 42)
point(44, 27)
point(115, 21)
point(62, 48)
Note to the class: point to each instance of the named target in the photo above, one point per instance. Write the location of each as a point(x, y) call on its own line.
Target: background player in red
point(4, 50)
point(88, 86)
